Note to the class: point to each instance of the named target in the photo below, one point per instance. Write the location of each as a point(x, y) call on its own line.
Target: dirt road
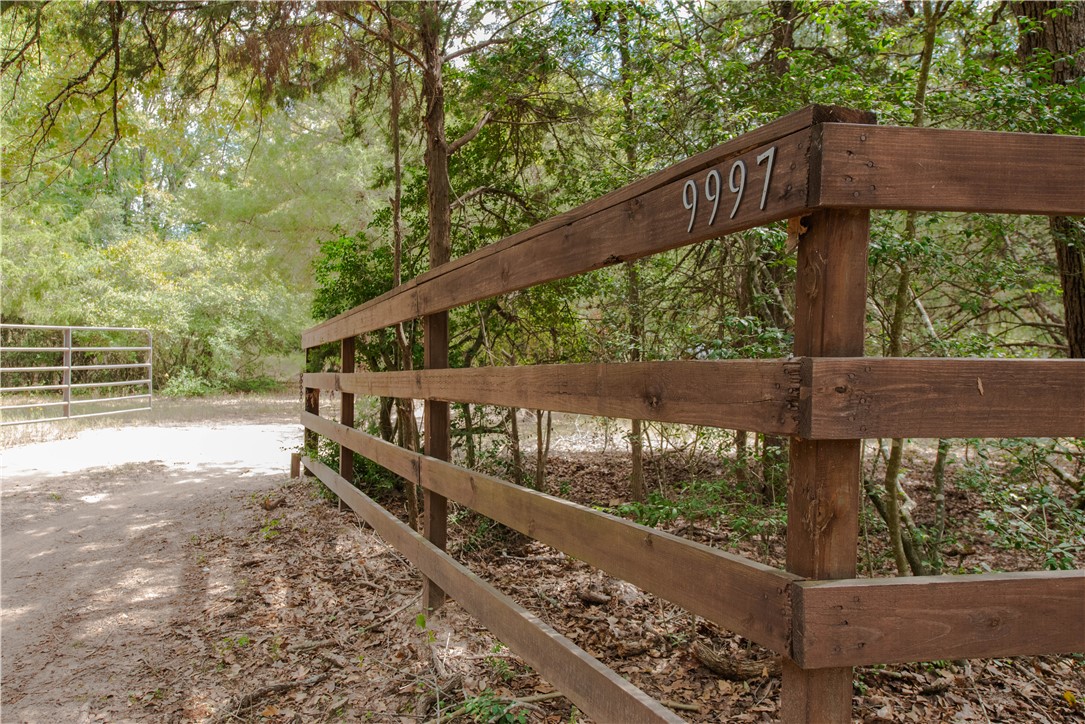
point(93, 554)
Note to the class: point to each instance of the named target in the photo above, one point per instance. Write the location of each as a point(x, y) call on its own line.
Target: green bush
point(186, 383)
point(260, 384)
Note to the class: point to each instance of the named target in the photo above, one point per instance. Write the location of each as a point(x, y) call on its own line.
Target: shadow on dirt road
point(94, 550)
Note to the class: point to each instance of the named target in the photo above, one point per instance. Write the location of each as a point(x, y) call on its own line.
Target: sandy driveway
point(93, 553)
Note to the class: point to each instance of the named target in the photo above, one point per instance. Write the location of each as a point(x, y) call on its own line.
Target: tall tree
point(1053, 36)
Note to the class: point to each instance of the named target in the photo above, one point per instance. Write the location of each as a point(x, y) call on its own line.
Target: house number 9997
point(736, 184)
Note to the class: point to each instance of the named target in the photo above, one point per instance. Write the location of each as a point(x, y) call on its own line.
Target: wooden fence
point(824, 167)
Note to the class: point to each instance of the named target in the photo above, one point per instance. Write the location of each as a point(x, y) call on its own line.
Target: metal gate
point(54, 373)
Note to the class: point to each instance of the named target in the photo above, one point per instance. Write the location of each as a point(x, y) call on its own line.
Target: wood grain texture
point(795, 122)
point(859, 622)
point(830, 296)
point(616, 228)
point(735, 593)
point(595, 689)
point(738, 594)
point(400, 461)
point(311, 403)
point(757, 395)
point(438, 443)
point(824, 482)
point(346, 408)
point(929, 169)
point(885, 397)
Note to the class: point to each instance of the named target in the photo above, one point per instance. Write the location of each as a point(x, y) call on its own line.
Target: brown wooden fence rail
point(825, 167)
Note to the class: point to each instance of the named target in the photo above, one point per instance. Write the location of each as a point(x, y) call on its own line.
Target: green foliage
point(270, 528)
point(712, 500)
point(350, 270)
point(186, 383)
point(260, 384)
point(224, 204)
point(488, 708)
point(1022, 508)
point(655, 510)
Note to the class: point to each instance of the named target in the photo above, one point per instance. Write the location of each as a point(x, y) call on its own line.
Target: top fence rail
point(817, 158)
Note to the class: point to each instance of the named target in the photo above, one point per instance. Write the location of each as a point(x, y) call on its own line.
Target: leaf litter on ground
point(320, 622)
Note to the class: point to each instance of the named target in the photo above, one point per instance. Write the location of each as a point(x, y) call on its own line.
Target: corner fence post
point(346, 408)
point(824, 481)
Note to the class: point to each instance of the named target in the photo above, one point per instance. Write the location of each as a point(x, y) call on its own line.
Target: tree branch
point(495, 39)
point(512, 195)
point(365, 27)
point(470, 135)
point(473, 48)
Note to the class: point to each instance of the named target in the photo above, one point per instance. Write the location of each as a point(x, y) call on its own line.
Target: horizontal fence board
point(755, 395)
point(400, 461)
point(861, 622)
point(738, 594)
point(929, 169)
point(643, 218)
point(844, 398)
point(594, 688)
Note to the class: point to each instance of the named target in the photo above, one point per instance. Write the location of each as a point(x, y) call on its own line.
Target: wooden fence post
point(824, 482)
point(346, 408)
point(312, 405)
point(438, 445)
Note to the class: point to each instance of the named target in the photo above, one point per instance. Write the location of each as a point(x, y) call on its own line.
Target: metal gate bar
point(67, 349)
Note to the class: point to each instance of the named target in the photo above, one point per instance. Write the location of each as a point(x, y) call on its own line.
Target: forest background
point(227, 173)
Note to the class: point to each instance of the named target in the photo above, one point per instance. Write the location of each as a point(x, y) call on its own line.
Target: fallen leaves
point(330, 616)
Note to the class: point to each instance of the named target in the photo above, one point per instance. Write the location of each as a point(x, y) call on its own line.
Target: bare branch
point(496, 39)
point(474, 48)
point(31, 39)
point(365, 27)
point(495, 191)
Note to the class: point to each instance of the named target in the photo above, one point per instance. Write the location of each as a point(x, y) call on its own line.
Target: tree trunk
point(438, 193)
point(540, 453)
point(773, 468)
point(1069, 236)
point(636, 323)
point(934, 548)
point(469, 436)
point(404, 408)
point(514, 442)
point(902, 300)
point(741, 455)
point(1062, 35)
point(783, 37)
point(892, 506)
